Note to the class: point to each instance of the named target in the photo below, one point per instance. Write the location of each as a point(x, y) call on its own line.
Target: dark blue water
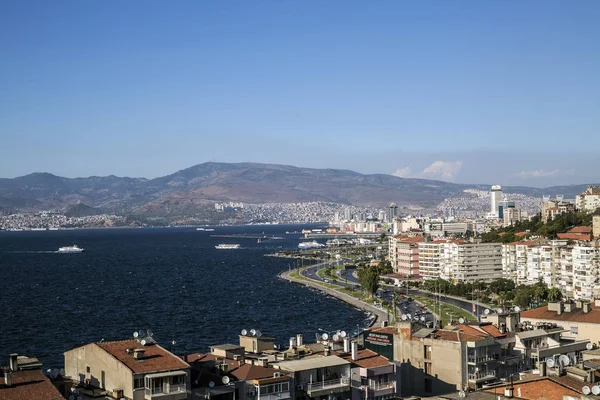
point(170, 280)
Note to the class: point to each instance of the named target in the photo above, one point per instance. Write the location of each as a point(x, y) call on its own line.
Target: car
point(326, 280)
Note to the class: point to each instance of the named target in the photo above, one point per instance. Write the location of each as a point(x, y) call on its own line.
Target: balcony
point(483, 376)
point(478, 360)
point(328, 387)
point(275, 396)
point(167, 392)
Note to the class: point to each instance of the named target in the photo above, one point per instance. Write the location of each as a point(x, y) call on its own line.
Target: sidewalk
point(380, 314)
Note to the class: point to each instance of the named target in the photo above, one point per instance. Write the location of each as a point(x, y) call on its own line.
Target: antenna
point(589, 346)
point(343, 334)
point(211, 384)
point(244, 332)
point(596, 390)
point(586, 390)
point(486, 311)
point(225, 380)
point(550, 362)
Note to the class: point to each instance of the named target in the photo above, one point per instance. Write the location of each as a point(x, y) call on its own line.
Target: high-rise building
point(348, 214)
point(393, 212)
point(496, 195)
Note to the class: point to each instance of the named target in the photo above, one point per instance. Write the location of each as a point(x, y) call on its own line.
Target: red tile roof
point(249, 371)
point(385, 329)
point(581, 229)
point(573, 236)
point(29, 385)
point(577, 315)
point(155, 358)
point(367, 359)
point(536, 388)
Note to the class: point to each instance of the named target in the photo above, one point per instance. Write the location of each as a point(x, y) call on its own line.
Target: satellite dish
point(589, 346)
point(71, 397)
point(404, 317)
point(486, 311)
point(422, 319)
point(244, 332)
point(53, 373)
point(324, 336)
point(596, 390)
point(80, 397)
point(550, 362)
point(517, 308)
point(499, 311)
point(135, 334)
point(564, 360)
point(336, 337)
point(142, 333)
point(173, 343)
point(225, 380)
point(462, 394)
point(149, 333)
point(211, 384)
point(143, 342)
point(343, 334)
point(586, 390)
point(252, 332)
point(62, 372)
point(461, 320)
point(258, 333)
point(409, 316)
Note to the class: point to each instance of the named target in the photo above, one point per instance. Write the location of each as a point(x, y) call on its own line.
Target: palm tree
point(554, 294)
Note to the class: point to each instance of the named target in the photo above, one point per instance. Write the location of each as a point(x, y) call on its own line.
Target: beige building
point(580, 318)
point(589, 200)
point(552, 208)
point(130, 369)
point(404, 254)
point(596, 224)
point(512, 216)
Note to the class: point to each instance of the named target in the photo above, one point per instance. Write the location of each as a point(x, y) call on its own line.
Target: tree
point(368, 278)
point(522, 299)
point(554, 294)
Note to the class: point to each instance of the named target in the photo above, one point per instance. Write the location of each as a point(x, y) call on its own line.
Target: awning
point(165, 374)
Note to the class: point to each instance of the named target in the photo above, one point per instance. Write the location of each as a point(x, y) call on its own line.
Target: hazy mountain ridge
point(192, 189)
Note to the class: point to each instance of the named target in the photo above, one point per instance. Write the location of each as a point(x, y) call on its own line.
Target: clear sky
point(504, 92)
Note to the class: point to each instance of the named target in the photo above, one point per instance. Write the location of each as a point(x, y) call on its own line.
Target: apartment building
point(24, 379)
point(543, 262)
point(580, 318)
point(596, 224)
point(136, 369)
point(430, 256)
point(512, 216)
point(470, 262)
point(589, 200)
point(552, 208)
point(586, 271)
point(373, 376)
point(436, 361)
point(514, 261)
point(404, 254)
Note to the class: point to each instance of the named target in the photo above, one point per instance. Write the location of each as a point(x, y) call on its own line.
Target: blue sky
point(500, 92)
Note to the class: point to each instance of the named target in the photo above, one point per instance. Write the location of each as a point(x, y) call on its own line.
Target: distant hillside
point(194, 189)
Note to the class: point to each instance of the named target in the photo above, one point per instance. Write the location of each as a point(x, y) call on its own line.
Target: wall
point(118, 376)
point(585, 330)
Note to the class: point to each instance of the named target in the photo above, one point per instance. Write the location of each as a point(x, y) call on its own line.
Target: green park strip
point(445, 311)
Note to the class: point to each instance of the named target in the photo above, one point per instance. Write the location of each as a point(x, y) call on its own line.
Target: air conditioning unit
point(277, 374)
point(251, 394)
point(117, 393)
point(299, 387)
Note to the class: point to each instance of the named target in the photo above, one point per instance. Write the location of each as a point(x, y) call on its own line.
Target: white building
point(589, 200)
point(586, 274)
point(511, 216)
point(496, 198)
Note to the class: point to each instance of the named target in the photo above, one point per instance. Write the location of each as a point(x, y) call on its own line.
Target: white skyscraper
point(496, 195)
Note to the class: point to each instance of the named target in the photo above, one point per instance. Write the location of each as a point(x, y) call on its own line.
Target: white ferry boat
point(227, 246)
point(310, 245)
point(70, 249)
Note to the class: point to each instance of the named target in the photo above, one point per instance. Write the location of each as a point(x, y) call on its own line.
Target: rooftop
point(155, 357)
point(227, 347)
point(367, 359)
point(249, 371)
point(28, 385)
point(539, 387)
point(312, 363)
point(577, 315)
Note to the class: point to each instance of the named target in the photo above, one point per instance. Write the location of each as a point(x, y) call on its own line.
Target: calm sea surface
point(172, 281)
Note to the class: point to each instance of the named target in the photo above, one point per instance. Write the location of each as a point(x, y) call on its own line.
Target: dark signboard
point(381, 343)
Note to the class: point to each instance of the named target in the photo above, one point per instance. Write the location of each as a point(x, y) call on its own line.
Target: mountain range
point(193, 189)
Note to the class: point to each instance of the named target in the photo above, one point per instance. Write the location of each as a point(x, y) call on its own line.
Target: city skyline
point(463, 92)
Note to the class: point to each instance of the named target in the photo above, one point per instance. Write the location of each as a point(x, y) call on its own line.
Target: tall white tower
point(496, 195)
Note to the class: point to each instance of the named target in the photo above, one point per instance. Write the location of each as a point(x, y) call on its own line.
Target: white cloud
point(403, 172)
point(540, 173)
point(444, 170)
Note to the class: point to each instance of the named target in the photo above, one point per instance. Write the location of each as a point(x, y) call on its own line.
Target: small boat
point(70, 249)
point(227, 246)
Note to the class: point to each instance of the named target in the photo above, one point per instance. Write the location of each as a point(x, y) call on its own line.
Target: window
point(178, 380)
point(427, 368)
point(138, 382)
point(574, 330)
point(427, 352)
point(428, 385)
point(87, 369)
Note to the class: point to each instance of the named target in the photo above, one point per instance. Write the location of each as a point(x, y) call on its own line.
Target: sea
point(171, 281)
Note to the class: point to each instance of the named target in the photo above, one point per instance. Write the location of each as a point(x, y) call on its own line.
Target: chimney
point(299, 339)
point(354, 351)
point(542, 369)
point(508, 392)
point(587, 307)
point(591, 378)
point(292, 342)
point(560, 308)
point(346, 345)
point(326, 351)
point(8, 378)
point(138, 354)
point(12, 358)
